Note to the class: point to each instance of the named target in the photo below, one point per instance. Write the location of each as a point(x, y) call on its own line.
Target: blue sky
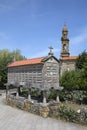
point(33, 25)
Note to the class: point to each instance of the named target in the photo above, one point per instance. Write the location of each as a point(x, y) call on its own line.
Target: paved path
point(15, 119)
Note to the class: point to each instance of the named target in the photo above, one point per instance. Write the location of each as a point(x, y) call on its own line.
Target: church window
point(65, 36)
point(64, 47)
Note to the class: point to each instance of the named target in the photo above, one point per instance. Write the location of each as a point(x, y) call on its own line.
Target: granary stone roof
point(27, 62)
point(33, 61)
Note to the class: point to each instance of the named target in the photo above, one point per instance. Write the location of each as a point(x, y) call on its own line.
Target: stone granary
point(42, 73)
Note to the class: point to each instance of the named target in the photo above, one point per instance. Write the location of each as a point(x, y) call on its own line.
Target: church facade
point(67, 62)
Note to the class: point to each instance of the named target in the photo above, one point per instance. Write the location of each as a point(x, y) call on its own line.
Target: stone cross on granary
point(51, 48)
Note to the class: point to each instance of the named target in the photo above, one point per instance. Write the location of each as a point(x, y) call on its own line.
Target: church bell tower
point(65, 42)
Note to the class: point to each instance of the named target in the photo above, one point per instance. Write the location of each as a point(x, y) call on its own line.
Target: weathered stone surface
point(36, 74)
point(34, 108)
point(26, 105)
point(67, 66)
point(44, 111)
point(20, 104)
point(23, 104)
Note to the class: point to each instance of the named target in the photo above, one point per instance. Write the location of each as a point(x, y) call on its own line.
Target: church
point(67, 62)
point(43, 72)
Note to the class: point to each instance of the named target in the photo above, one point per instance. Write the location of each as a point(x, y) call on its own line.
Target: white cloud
point(78, 43)
point(3, 36)
point(8, 5)
point(80, 38)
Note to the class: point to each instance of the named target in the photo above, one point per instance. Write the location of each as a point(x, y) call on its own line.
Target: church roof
point(27, 62)
point(69, 58)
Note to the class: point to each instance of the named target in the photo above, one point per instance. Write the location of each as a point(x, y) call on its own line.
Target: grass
point(74, 106)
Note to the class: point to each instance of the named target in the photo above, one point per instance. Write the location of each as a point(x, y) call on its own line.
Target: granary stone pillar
point(18, 89)
point(58, 90)
point(44, 97)
point(29, 97)
point(17, 93)
point(57, 97)
point(7, 89)
point(29, 94)
point(44, 100)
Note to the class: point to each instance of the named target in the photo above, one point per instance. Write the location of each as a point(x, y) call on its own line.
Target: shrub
point(74, 80)
point(24, 92)
point(2, 87)
point(51, 94)
point(75, 96)
point(67, 114)
point(35, 92)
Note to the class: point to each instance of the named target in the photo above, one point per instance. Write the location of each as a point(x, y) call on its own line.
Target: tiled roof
point(27, 62)
point(70, 58)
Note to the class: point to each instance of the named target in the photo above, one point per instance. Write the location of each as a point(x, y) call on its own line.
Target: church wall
point(67, 66)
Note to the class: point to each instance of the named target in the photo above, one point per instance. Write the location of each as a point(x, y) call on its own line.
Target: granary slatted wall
point(43, 74)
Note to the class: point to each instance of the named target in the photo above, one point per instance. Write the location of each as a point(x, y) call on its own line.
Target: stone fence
point(30, 106)
point(51, 109)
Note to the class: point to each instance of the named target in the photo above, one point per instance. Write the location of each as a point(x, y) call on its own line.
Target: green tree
point(68, 80)
point(7, 57)
point(81, 60)
point(76, 79)
point(81, 65)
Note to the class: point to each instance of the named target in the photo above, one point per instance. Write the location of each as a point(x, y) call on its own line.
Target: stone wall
point(67, 66)
point(53, 109)
point(25, 104)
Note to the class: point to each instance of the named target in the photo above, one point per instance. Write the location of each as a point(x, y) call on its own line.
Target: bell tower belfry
point(65, 42)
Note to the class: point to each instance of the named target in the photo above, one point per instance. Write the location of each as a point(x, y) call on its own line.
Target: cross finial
point(51, 48)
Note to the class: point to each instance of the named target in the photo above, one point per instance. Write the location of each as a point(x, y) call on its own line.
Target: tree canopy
point(7, 57)
point(76, 79)
point(81, 61)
